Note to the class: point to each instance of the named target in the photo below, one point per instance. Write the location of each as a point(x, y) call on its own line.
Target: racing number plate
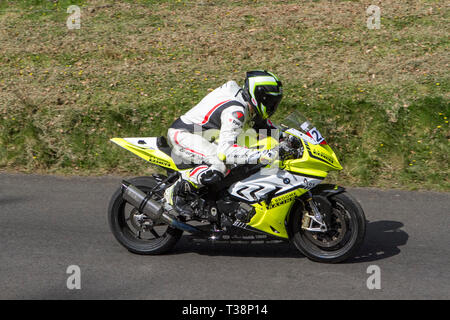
point(315, 134)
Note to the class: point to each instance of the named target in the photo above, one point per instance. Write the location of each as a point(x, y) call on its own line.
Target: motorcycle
point(284, 200)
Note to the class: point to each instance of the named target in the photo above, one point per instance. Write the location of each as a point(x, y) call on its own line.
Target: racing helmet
point(263, 91)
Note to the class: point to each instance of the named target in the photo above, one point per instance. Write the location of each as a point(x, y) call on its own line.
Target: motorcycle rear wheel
point(123, 226)
point(347, 215)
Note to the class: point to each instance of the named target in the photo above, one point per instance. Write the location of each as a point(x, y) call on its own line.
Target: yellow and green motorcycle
point(254, 202)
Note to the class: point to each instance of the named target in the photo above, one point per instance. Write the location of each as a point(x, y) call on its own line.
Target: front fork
point(314, 222)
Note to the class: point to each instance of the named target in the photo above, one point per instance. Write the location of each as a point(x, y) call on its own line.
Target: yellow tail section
point(146, 149)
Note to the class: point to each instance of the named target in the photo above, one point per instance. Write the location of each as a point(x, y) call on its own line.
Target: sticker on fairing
point(300, 135)
point(305, 126)
point(315, 134)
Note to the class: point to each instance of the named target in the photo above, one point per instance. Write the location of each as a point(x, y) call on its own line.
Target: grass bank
point(379, 96)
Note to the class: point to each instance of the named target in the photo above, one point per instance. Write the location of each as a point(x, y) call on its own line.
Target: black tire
point(355, 221)
point(124, 234)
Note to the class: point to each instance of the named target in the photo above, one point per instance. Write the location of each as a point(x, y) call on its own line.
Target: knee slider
point(211, 177)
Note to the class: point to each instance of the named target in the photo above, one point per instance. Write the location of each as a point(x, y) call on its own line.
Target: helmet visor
point(271, 103)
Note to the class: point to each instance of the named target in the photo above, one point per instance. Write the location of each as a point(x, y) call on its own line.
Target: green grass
point(379, 96)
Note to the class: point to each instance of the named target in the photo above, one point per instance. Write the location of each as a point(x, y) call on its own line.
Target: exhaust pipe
point(153, 209)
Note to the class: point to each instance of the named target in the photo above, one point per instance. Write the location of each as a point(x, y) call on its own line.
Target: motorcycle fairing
point(271, 215)
point(147, 149)
point(317, 160)
point(271, 218)
point(254, 188)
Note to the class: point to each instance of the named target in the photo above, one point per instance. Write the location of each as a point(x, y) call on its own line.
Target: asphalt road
point(48, 223)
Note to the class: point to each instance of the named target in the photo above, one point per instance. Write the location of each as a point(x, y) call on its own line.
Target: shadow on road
point(382, 241)
point(263, 250)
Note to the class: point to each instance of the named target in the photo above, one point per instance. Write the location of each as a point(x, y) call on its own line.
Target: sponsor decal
point(287, 198)
point(322, 155)
point(236, 123)
point(319, 156)
point(158, 161)
point(238, 115)
point(308, 184)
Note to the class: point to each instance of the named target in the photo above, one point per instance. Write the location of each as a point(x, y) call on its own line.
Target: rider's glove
point(268, 156)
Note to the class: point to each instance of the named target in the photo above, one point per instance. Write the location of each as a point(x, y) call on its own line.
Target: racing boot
point(182, 193)
point(178, 196)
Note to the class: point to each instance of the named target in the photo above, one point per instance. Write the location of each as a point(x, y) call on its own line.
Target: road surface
point(48, 223)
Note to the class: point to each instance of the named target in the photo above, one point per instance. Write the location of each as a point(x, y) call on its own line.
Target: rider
point(226, 109)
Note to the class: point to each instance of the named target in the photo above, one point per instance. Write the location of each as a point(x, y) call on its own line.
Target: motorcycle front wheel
point(136, 232)
point(343, 238)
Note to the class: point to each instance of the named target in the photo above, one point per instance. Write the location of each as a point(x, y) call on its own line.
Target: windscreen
point(298, 125)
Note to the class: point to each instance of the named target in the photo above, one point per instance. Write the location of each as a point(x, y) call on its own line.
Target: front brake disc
point(336, 231)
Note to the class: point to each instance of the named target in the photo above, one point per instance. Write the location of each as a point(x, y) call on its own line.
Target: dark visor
point(271, 102)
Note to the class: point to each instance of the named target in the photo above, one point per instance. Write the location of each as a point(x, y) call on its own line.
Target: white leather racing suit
point(222, 112)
